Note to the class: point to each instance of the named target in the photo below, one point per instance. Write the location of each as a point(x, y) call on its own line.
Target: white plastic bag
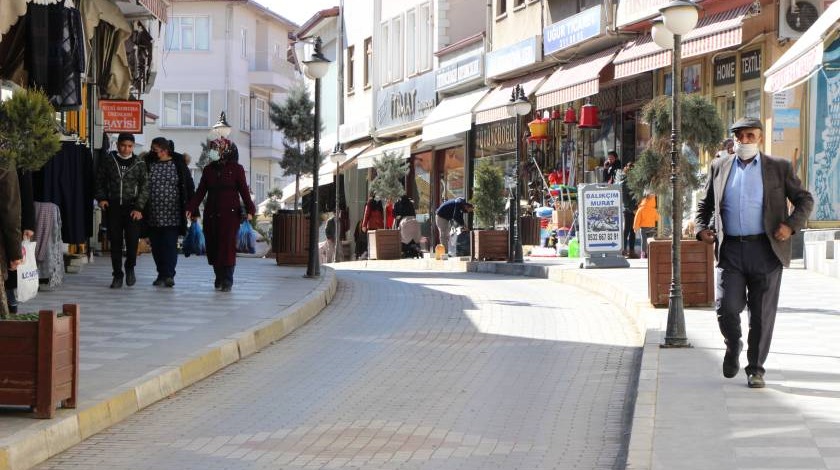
point(27, 273)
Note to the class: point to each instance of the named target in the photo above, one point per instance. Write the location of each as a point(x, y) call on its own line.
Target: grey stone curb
point(51, 437)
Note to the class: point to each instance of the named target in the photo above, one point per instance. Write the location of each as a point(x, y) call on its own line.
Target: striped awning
point(494, 106)
point(713, 33)
point(574, 80)
point(401, 148)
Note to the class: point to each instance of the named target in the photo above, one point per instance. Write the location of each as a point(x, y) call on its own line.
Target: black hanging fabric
point(67, 181)
point(139, 47)
point(54, 57)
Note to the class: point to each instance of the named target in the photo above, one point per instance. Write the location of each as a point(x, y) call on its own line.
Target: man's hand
point(136, 215)
point(13, 264)
point(28, 234)
point(783, 232)
point(103, 204)
point(707, 236)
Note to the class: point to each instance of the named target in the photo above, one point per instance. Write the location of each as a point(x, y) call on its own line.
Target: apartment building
point(224, 56)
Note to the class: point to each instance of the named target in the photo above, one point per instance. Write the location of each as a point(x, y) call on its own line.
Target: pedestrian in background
point(223, 184)
point(727, 148)
point(122, 189)
point(611, 166)
point(374, 216)
point(645, 220)
point(451, 212)
point(628, 201)
point(27, 224)
point(10, 252)
point(743, 209)
point(170, 189)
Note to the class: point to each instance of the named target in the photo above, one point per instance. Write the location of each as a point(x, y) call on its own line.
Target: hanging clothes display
point(54, 57)
point(67, 181)
point(49, 251)
point(139, 49)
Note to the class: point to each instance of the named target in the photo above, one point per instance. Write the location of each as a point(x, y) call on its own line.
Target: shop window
point(260, 113)
point(351, 63)
point(188, 33)
point(243, 43)
point(518, 3)
point(752, 103)
point(368, 69)
point(186, 109)
point(422, 191)
point(452, 174)
point(501, 7)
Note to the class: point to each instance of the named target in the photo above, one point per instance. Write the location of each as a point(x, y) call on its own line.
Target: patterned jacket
point(129, 187)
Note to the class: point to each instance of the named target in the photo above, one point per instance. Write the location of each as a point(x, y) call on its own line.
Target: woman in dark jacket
point(223, 183)
point(27, 226)
point(170, 189)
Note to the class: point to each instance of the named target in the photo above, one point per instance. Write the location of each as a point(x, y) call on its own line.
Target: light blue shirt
point(743, 199)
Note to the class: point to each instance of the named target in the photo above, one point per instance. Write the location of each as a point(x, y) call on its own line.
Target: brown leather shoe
point(755, 381)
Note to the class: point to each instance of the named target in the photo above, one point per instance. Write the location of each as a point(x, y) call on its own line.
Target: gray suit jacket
point(780, 186)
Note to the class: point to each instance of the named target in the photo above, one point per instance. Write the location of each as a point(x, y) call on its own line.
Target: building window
point(186, 109)
point(188, 33)
point(501, 7)
point(243, 112)
point(411, 37)
point(260, 107)
point(518, 3)
point(368, 61)
point(259, 187)
point(278, 183)
point(351, 62)
point(424, 41)
point(396, 44)
point(385, 55)
point(243, 43)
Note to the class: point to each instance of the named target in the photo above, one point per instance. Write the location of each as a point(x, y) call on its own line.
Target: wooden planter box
point(487, 245)
point(529, 230)
point(290, 237)
point(384, 244)
point(39, 361)
point(697, 270)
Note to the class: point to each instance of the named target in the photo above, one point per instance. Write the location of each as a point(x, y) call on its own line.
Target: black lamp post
point(678, 18)
point(517, 107)
point(315, 68)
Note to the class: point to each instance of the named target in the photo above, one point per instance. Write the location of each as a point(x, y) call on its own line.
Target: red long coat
point(223, 183)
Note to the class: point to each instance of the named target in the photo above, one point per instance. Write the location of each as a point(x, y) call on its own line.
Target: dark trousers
point(122, 229)
point(629, 237)
point(164, 249)
point(647, 234)
point(224, 274)
point(749, 274)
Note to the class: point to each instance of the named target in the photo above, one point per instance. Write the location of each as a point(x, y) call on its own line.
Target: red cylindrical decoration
point(570, 117)
point(589, 117)
point(555, 114)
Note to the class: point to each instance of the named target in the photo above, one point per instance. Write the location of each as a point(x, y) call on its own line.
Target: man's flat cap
point(746, 123)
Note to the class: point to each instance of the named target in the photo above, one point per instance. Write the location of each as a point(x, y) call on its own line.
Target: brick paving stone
point(406, 369)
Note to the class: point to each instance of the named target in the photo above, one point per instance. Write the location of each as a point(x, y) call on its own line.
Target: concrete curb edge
point(54, 436)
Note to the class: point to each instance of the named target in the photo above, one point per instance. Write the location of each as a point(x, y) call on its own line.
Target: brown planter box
point(384, 244)
point(290, 237)
point(529, 230)
point(489, 245)
point(39, 361)
point(697, 269)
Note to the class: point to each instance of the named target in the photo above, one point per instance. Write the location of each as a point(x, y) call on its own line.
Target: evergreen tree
point(295, 117)
point(28, 135)
point(390, 172)
point(488, 195)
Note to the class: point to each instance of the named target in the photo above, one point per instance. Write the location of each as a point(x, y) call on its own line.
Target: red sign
point(122, 116)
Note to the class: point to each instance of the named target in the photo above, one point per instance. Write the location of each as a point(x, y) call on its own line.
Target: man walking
point(122, 189)
point(743, 209)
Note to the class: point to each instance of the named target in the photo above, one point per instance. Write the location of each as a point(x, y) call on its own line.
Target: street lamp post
point(338, 156)
point(315, 68)
point(517, 107)
point(678, 18)
point(221, 128)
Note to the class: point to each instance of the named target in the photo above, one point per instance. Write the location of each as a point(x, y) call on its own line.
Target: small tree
point(488, 194)
point(273, 204)
point(701, 128)
point(390, 172)
point(295, 117)
point(28, 135)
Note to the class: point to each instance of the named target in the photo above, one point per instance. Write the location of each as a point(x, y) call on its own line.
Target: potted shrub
point(387, 186)
point(487, 243)
point(701, 130)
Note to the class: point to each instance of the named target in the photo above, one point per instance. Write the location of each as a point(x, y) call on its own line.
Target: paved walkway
point(142, 343)
point(405, 370)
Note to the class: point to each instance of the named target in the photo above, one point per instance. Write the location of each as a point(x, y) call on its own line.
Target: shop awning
point(326, 173)
point(575, 80)
point(452, 116)
point(494, 106)
point(719, 31)
point(400, 148)
point(805, 57)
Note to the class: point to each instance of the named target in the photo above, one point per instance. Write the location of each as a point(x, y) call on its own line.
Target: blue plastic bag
point(194, 241)
point(246, 241)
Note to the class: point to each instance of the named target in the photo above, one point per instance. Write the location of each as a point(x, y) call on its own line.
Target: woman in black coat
point(223, 184)
point(27, 226)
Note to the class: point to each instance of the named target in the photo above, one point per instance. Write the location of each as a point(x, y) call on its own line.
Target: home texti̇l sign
point(122, 116)
point(600, 225)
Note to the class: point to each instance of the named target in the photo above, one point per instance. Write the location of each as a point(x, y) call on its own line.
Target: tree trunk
point(297, 190)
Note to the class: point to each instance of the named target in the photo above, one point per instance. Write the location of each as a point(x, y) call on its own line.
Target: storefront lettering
point(572, 30)
point(405, 102)
point(495, 134)
point(458, 73)
point(750, 65)
point(725, 71)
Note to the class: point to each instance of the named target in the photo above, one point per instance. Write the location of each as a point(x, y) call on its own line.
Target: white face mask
point(746, 151)
point(213, 155)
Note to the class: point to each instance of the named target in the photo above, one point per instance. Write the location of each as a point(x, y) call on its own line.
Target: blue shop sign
point(513, 57)
point(459, 71)
point(573, 30)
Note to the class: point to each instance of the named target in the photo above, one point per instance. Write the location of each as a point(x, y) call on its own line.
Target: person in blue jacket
point(451, 212)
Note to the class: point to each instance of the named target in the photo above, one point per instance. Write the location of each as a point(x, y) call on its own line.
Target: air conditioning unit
point(796, 16)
